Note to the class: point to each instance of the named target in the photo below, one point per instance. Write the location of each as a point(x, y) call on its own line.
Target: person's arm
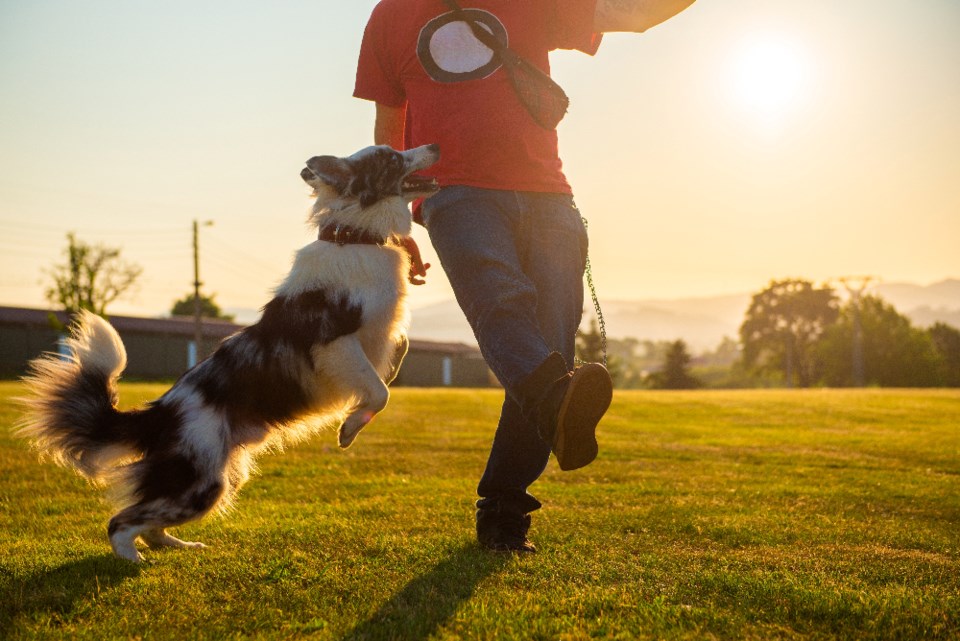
point(388, 130)
point(635, 15)
point(388, 127)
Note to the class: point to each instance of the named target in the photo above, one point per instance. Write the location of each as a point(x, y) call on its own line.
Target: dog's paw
point(352, 426)
point(129, 553)
point(345, 438)
point(159, 538)
point(124, 546)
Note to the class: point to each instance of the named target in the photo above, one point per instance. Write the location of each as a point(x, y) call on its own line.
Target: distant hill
point(702, 322)
point(925, 305)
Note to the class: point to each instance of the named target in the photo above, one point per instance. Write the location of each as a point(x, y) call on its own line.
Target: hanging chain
point(596, 307)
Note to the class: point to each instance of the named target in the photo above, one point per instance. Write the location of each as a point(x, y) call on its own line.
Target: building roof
point(177, 325)
point(183, 326)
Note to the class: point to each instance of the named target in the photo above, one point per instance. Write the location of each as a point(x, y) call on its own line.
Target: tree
point(946, 340)
point(208, 308)
point(676, 369)
point(590, 349)
point(895, 354)
point(782, 327)
point(92, 277)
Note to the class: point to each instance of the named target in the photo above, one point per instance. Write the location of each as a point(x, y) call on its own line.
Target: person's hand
point(418, 270)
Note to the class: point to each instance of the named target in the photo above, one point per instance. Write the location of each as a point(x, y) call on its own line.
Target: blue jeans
point(515, 261)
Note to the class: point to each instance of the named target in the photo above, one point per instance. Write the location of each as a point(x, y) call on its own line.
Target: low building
point(157, 348)
point(163, 349)
point(431, 364)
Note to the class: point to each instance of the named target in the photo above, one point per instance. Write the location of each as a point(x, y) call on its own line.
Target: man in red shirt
point(504, 224)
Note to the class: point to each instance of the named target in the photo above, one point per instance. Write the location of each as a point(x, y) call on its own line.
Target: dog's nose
point(306, 174)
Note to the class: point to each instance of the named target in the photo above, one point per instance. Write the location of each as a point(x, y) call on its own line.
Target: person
point(504, 224)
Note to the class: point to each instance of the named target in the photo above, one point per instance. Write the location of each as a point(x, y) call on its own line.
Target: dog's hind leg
point(172, 491)
point(149, 520)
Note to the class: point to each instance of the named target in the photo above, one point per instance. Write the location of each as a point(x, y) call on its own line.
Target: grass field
point(727, 515)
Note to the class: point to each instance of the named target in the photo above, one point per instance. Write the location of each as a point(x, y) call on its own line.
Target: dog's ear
point(328, 170)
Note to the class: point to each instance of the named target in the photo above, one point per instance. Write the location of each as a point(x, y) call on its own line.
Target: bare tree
point(92, 277)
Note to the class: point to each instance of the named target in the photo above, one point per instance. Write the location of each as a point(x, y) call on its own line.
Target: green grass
point(708, 515)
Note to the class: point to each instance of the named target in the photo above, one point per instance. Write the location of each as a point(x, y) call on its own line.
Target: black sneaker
point(584, 403)
point(504, 531)
point(567, 406)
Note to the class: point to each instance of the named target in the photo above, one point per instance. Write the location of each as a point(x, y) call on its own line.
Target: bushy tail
point(70, 406)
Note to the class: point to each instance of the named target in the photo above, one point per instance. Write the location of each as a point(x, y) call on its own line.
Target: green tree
point(895, 354)
point(92, 277)
point(590, 349)
point(782, 327)
point(676, 369)
point(946, 340)
point(208, 308)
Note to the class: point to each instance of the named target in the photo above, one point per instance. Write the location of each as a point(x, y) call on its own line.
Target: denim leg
point(554, 259)
point(515, 261)
point(477, 234)
point(552, 251)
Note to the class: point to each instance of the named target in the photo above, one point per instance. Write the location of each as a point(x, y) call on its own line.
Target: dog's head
point(372, 175)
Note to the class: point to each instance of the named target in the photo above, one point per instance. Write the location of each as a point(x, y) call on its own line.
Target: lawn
point(708, 515)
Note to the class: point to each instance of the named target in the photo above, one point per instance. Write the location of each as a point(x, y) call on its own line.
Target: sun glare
point(769, 79)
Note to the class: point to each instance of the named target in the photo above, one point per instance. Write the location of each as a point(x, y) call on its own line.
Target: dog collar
point(346, 235)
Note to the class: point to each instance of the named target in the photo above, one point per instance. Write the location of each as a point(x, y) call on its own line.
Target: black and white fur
point(320, 355)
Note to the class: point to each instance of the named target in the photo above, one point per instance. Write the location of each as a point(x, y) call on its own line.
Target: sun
point(769, 79)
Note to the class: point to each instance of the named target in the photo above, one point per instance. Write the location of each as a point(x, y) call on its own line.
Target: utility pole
point(197, 317)
point(856, 293)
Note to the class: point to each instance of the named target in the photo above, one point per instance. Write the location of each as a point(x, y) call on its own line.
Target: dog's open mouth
point(419, 185)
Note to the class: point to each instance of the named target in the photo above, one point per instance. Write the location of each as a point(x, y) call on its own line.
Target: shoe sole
point(584, 404)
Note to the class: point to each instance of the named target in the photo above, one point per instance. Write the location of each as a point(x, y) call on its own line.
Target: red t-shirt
point(416, 54)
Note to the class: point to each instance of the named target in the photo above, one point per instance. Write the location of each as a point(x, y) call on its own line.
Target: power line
point(64, 229)
point(248, 257)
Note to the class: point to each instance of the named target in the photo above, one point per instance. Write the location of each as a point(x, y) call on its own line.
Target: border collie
point(321, 354)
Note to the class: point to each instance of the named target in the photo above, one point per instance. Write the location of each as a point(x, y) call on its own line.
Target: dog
point(322, 354)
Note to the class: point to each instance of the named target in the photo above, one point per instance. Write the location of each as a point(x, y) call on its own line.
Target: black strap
point(505, 53)
point(517, 67)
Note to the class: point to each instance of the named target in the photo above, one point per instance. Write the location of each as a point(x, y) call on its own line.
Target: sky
point(740, 142)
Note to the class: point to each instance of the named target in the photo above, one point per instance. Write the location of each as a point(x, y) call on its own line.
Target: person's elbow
point(636, 16)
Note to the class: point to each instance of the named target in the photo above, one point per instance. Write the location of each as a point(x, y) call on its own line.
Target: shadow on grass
point(54, 593)
point(431, 599)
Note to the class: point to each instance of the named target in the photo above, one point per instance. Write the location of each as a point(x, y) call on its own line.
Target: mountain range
point(701, 322)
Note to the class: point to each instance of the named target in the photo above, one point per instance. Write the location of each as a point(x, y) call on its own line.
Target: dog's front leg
point(403, 345)
point(361, 380)
point(371, 399)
